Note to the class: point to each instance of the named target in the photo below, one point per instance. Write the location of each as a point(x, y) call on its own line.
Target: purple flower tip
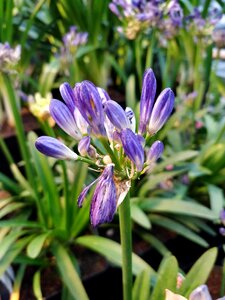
point(155, 152)
point(161, 110)
point(147, 99)
point(132, 147)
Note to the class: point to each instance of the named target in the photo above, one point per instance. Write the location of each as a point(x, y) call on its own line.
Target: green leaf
point(179, 228)
point(155, 243)
point(175, 158)
point(12, 254)
point(8, 241)
point(68, 272)
point(112, 251)
point(167, 278)
point(17, 282)
point(35, 246)
point(139, 216)
point(216, 197)
point(37, 285)
point(153, 180)
point(199, 272)
point(130, 92)
point(11, 208)
point(141, 288)
point(176, 207)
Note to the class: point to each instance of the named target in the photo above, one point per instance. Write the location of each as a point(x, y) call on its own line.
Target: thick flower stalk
point(108, 139)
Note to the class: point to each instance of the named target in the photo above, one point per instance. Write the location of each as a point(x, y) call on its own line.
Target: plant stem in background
point(126, 244)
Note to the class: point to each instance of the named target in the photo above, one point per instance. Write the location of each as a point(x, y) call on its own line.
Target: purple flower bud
point(200, 292)
point(147, 99)
point(222, 231)
point(161, 110)
point(155, 152)
point(52, 147)
point(68, 96)
point(88, 101)
point(116, 114)
point(103, 204)
point(85, 148)
point(64, 118)
point(114, 9)
point(132, 147)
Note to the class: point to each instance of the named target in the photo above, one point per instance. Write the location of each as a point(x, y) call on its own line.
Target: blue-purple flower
point(107, 139)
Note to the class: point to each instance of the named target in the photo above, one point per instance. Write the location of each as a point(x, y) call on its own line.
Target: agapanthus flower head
point(202, 28)
point(108, 140)
point(136, 16)
point(74, 38)
point(9, 57)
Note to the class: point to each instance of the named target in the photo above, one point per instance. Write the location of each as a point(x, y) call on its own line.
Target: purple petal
point(200, 292)
point(81, 122)
point(161, 110)
point(114, 9)
point(83, 194)
point(52, 147)
point(116, 114)
point(147, 99)
point(155, 152)
point(103, 204)
point(132, 147)
point(103, 94)
point(84, 145)
point(64, 118)
point(89, 103)
point(85, 148)
point(68, 96)
point(131, 118)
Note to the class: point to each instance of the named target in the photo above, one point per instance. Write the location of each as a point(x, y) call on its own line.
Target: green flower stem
point(138, 57)
point(126, 244)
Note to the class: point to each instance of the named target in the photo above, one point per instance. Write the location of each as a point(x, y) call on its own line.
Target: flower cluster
point(72, 40)
point(202, 28)
point(108, 139)
point(166, 17)
point(9, 57)
point(200, 293)
point(141, 15)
